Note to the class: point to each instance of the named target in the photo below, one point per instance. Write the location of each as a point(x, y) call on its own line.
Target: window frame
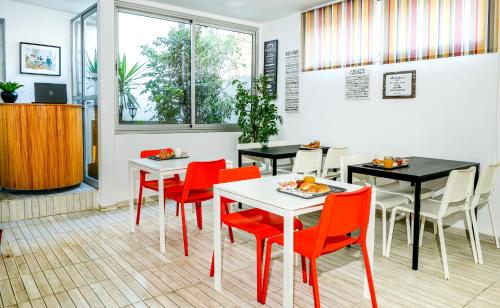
point(193, 21)
point(3, 69)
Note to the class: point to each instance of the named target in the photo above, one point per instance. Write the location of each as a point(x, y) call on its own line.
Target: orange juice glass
point(388, 162)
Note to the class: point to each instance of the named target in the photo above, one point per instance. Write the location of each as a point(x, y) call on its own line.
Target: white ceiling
point(254, 10)
point(71, 6)
point(259, 11)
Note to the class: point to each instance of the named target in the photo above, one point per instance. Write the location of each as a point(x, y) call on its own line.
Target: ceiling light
point(234, 3)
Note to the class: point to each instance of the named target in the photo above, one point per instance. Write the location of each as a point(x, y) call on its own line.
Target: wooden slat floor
point(91, 259)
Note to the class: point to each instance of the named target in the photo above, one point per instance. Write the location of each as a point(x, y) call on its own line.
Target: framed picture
point(37, 59)
point(399, 84)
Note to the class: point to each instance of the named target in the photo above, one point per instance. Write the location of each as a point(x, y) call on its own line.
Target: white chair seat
point(388, 200)
point(430, 208)
point(332, 175)
point(406, 190)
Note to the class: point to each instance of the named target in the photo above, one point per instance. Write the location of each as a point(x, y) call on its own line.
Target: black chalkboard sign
point(271, 65)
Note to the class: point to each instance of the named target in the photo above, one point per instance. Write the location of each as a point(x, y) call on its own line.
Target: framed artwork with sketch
point(38, 59)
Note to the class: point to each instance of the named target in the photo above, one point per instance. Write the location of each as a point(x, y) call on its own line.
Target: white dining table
point(159, 170)
point(261, 193)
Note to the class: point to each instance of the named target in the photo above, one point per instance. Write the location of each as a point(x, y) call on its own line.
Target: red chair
point(258, 222)
point(197, 187)
point(342, 214)
point(168, 184)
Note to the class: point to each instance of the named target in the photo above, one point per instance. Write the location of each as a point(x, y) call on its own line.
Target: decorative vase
point(9, 97)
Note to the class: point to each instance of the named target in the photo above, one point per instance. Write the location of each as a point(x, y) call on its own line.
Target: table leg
point(349, 176)
point(275, 166)
point(416, 225)
point(240, 159)
point(217, 243)
point(370, 241)
point(131, 172)
point(288, 280)
point(161, 211)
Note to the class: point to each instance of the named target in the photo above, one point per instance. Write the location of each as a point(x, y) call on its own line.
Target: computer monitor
point(50, 93)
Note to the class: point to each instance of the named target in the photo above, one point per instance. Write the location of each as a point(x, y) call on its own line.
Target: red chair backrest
point(344, 213)
point(147, 153)
point(235, 175)
point(202, 176)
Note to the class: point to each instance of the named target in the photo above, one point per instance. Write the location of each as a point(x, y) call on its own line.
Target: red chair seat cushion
point(304, 240)
point(258, 222)
point(194, 195)
point(171, 184)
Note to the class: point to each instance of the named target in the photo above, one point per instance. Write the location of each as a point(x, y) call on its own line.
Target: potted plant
point(9, 94)
point(257, 112)
point(127, 81)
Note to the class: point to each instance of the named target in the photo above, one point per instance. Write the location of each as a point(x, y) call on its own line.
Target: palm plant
point(127, 81)
point(92, 70)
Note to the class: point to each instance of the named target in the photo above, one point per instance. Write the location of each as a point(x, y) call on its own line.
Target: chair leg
point(479, 252)
point(199, 218)
point(384, 231)
point(472, 236)
point(435, 228)
point(259, 255)
point(231, 235)
point(310, 273)
point(314, 278)
point(184, 231)
point(421, 235)
point(177, 210)
point(304, 268)
point(139, 203)
point(444, 257)
point(369, 277)
point(391, 231)
point(408, 228)
point(267, 265)
point(492, 219)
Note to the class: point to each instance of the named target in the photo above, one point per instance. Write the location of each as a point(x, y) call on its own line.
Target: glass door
point(84, 29)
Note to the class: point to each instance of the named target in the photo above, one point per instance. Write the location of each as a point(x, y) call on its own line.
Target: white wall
point(452, 117)
point(117, 149)
point(35, 24)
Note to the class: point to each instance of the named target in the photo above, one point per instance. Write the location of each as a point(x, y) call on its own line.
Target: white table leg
point(161, 211)
point(370, 239)
point(217, 243)
point(131, 172)
point(288, 281)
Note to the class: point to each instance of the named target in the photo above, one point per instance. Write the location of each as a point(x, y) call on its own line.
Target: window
point(338, 35)
point(2, 50)
point(175, 72)
point(429, 29)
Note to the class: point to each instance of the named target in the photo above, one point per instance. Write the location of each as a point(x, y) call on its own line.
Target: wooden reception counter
point(41, 146)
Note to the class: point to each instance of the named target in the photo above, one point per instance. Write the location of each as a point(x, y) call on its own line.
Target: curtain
point(429, 29)
point(338, 35)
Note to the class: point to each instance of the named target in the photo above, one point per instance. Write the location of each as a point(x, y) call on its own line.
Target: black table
point(273, 153)
point(420, 170)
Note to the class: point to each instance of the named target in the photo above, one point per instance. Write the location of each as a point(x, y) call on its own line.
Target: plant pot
point(9, 97)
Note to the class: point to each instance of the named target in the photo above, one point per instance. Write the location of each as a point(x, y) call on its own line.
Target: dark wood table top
point(420, 169)
point(278, 152)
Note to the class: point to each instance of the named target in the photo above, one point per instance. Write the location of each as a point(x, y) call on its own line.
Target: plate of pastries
point(391, 163)
point(311, 145)
point(305, 188)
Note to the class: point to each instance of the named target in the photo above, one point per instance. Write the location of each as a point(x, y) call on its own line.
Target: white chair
point(308, 162)
point(456, 198)
point(384, 200)
point(332, 161)
point(482, 196)
point(397, 187)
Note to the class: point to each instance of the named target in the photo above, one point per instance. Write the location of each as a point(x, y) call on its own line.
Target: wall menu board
point(271, 65)
point(357, 84)
point(292, 81)
point(399, 84)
